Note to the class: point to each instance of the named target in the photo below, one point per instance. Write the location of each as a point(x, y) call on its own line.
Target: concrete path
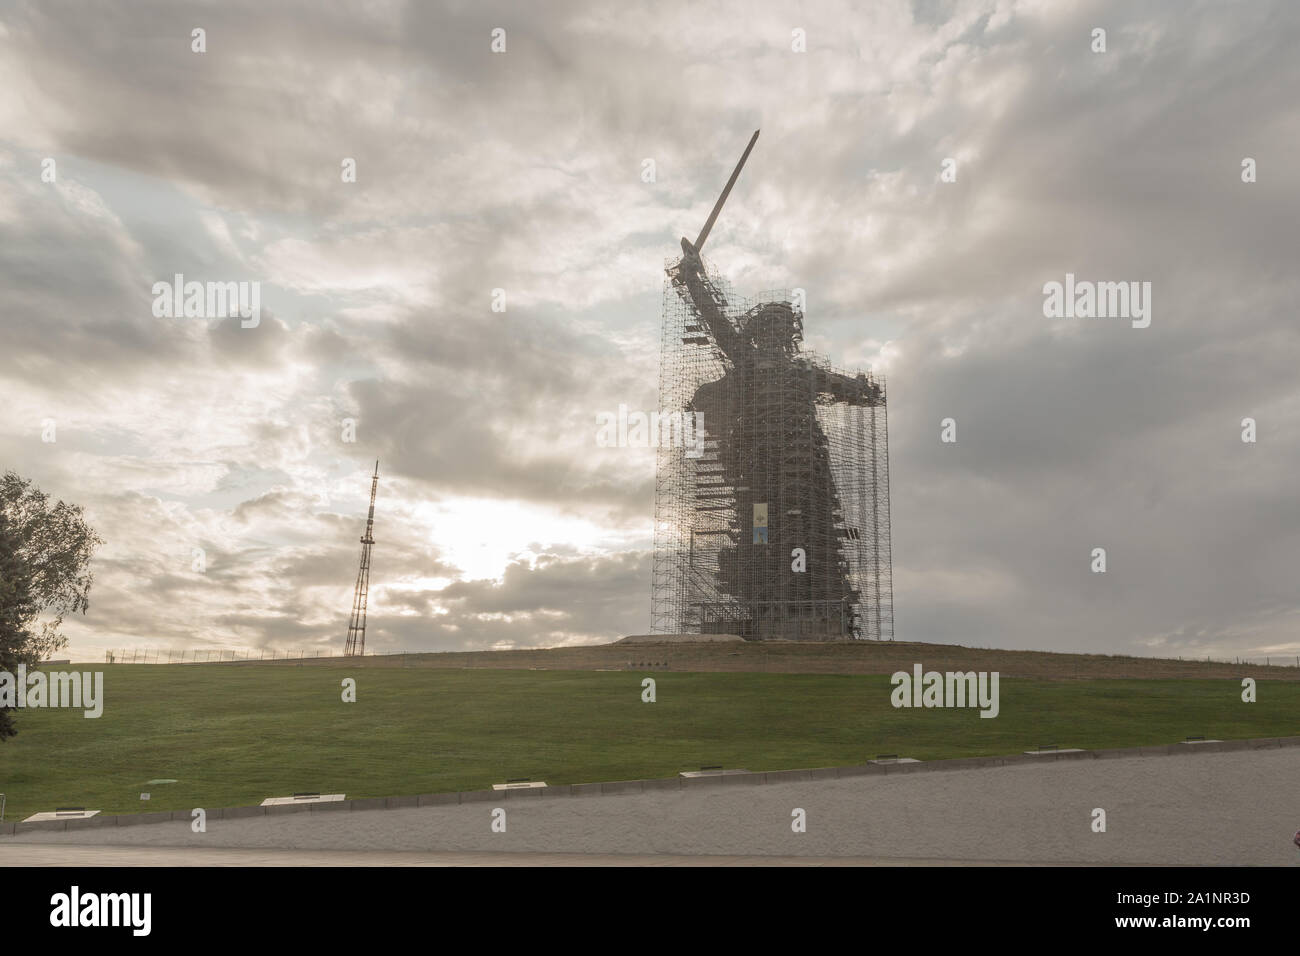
point(201, 856)
point(1236, 807)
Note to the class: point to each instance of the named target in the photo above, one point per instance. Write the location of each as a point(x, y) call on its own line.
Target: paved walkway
point(199, 856)
point(1236, 807)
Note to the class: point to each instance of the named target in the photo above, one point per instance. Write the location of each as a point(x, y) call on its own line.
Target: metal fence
point(161, 655)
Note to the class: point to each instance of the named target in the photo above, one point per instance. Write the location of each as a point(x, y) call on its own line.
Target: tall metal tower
point(356, 646)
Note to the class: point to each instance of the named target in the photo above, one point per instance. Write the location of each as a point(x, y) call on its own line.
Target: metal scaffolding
point(775, 524)
point(795, 455)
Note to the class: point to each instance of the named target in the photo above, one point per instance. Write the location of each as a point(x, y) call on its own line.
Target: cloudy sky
point(500, 522)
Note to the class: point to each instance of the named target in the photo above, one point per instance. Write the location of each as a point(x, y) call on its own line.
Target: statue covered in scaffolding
point(780, 528)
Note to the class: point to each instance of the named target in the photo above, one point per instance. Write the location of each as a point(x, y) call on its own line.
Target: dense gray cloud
point(500, 522)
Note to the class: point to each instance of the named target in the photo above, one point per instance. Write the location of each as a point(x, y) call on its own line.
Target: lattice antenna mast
point(356, 646)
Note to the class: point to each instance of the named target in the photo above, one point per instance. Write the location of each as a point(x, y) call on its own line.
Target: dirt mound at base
point(679, 638)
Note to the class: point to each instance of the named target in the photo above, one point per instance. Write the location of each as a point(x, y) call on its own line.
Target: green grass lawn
point(233, 735)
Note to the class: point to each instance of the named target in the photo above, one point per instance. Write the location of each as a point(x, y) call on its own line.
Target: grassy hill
point(235, 734)
point(844, 657)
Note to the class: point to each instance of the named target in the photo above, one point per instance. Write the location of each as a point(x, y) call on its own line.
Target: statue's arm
point(709, 306)
point(854, 389)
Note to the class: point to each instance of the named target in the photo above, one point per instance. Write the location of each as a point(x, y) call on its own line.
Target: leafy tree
point(45, 552)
